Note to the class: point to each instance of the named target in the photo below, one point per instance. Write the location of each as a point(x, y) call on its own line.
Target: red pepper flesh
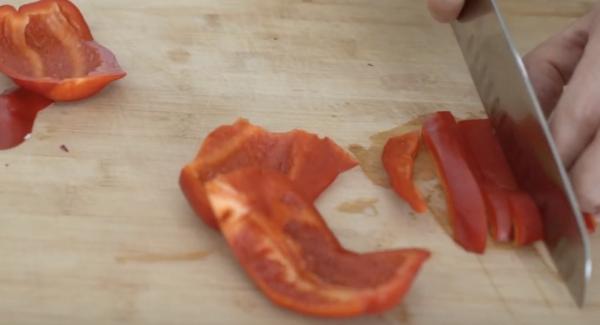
point(398, 159)
point(590, 222)
point(487, 153)
point(492, 171)
point(47, 48)
point(499, 186)
point(527, 221)
point(499, 213)
point(465, 201)
point(287, 249)
point(310, 162)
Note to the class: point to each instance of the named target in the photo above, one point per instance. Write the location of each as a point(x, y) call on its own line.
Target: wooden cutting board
point(102, 235)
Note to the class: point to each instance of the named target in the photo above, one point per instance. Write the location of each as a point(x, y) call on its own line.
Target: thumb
point(445, 11)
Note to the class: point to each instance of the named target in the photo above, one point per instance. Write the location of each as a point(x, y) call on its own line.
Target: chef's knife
point(514, 110)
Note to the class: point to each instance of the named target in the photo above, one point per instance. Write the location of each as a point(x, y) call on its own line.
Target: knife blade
point(514, 110)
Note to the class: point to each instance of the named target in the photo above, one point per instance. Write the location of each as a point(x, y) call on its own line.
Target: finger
point(445, 11)
point(577, 115)
point(585, 175)
point(551, 64)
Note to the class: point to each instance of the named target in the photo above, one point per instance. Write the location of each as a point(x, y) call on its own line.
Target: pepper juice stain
point(370, 157)
point(18, 110)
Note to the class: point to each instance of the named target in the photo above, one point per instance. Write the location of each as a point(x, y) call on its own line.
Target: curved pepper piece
point(287, 249)
point(48, 49)
point(18, 109)
point(510, 209)
point(499, 213)
point(310, 162)
point(487, 153)
point(491, 169)
point(526, 218)
point(465, 202)
point(398, 159)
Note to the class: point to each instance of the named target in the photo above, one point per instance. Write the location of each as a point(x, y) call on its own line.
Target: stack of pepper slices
point(258, 188)
point(47, 49)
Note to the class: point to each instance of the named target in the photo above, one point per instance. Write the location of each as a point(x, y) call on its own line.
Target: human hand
point(565, 72)
point(445, 11)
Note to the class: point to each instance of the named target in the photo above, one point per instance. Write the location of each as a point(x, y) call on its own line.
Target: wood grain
point(102, 235)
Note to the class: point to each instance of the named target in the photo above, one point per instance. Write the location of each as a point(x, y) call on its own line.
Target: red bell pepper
point(47, 48)
point(310, 162)
point(499, 186)
point(590, 222)
point(527, 221)
point(398, 159)
point(286, 247)
point(487, 153)
point(499, 212)
point(491, 169)
point(465, 201)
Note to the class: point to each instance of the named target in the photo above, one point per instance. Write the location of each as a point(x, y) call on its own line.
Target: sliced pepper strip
point(398, 159)
point(499, 186)
point(490, 167)
point(590, 222)
point(287, 249)
point(527, 221)
point(499, 213)
point(47, 48)
point(465, 201)
point(310, 162)
point(487, 153)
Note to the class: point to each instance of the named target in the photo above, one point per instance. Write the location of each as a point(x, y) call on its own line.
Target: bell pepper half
point(47, 48)
point(310, 162)
point(287, 249)
point(398, 160)
point(466, 207)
